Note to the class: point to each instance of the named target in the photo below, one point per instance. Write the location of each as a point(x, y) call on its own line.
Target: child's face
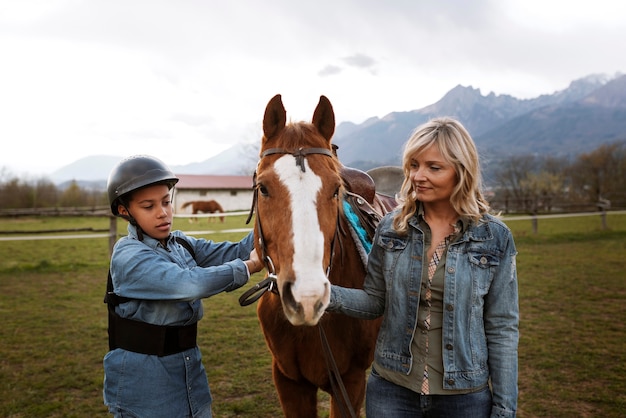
point(152, 209)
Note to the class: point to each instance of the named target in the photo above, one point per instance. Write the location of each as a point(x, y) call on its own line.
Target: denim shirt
point(167, 286)
point(481, 312)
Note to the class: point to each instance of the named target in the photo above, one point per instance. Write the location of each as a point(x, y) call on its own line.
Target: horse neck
point(347, 268)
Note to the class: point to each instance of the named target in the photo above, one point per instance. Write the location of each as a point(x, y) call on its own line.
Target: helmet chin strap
point(134, 223)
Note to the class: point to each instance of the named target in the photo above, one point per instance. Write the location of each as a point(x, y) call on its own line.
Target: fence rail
point(58, 211)
point(112, 234)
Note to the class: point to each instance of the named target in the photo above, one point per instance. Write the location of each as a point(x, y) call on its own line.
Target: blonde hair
point(458, 149)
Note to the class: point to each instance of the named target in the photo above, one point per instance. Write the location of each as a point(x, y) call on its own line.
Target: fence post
point(535, 224)
point(112, 233)
point(603, 205)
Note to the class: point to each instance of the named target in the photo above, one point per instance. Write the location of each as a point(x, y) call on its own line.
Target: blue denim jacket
point(481, 312)
point(168, 285)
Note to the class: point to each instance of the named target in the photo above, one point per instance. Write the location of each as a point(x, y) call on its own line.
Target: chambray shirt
point(167, 286)
point(480, 305)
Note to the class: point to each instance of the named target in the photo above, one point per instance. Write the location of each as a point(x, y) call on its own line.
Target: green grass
point(572, 279)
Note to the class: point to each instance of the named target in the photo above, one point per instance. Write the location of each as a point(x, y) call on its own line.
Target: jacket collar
point(147, 239)
point(471, 231)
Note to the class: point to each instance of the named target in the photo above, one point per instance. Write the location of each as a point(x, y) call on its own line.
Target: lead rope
point(335, 377)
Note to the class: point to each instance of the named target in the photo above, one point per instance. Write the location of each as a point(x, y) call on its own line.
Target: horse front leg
point(298, 399)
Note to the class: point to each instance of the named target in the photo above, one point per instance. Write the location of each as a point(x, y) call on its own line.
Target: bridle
point(269, 283)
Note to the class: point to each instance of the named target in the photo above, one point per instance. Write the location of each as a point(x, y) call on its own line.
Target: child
point(154, 367)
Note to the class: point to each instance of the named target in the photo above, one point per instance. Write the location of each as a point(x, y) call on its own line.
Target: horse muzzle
point(305, 306)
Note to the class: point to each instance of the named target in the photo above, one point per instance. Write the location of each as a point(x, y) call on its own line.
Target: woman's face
point(152, 209)
point(432, 177)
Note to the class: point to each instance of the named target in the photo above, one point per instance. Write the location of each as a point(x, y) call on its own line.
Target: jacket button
point(449, 346)
point(450, 382)
point(483, 260)
point(449, 307)
point(450, 269)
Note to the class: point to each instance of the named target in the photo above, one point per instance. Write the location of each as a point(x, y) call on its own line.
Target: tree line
point(517, 184)
point(540, 184)
point(16, 193)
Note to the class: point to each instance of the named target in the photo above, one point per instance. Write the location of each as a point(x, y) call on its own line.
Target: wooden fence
point(112, 232)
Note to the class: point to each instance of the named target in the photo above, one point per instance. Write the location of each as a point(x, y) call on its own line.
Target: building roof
point(202, 181)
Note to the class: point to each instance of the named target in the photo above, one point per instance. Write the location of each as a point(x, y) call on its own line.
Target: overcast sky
point(184, 80)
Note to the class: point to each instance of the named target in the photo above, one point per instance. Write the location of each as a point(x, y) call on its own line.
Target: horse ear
point(324, 118)
point(275, 117)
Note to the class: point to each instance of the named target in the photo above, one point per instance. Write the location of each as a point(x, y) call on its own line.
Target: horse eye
point(336, 194)
point(263, 190)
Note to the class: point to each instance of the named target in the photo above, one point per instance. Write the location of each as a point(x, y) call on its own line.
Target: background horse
point(307, 244)
point(205, 206)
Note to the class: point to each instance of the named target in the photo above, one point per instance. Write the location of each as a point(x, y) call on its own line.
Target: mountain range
point(587, 114)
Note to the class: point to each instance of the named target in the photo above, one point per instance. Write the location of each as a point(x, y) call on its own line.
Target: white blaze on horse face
point(311, 286)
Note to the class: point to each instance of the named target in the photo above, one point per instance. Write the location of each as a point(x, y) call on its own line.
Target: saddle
point(368, 205)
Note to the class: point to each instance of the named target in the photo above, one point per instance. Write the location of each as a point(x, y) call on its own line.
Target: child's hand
point(254, 263)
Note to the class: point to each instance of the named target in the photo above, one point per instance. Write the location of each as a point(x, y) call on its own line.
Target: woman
point(154, 367)
point(442, 273)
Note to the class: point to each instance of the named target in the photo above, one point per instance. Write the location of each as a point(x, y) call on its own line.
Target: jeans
point(205, 413)
point(388, 400)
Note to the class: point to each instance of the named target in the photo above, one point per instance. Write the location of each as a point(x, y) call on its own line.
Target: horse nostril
point(289, 300)
point(320, 305)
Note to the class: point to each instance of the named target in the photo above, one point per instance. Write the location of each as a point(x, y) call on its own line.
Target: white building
point(233, 193)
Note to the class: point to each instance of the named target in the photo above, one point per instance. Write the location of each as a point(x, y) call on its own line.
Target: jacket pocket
point(483, 260)
point(392, 247)
point(483, 265)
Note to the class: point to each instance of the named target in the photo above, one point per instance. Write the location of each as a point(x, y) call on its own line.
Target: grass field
point(572, 279)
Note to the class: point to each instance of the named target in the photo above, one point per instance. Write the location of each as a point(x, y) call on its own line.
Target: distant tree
point(511, 191)
point(73, 196)
point(543, 189)
point(14, 193)
point(600, 174)
point(95, 198)
point(529, 183)
point(46, 194)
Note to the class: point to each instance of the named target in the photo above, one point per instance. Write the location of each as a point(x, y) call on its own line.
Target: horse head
point(298, 192)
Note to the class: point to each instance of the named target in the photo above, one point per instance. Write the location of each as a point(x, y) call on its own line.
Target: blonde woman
point(442, 274)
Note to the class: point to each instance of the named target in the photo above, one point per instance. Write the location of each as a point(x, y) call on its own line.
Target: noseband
point(269, 283)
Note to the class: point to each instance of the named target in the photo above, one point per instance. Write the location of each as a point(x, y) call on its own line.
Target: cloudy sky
point(184, 80)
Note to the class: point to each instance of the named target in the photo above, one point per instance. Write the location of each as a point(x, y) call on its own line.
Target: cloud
point(361, 61)
point(358, 61)
point(329, 70)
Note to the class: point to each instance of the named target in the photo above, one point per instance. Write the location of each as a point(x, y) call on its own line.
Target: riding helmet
point(135, 172)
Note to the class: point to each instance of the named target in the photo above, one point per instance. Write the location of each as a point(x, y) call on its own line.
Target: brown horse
point(307, 243)
point(205, 206)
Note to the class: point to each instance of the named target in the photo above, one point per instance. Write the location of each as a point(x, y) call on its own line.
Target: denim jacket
point(167, 285)
point(481, 312)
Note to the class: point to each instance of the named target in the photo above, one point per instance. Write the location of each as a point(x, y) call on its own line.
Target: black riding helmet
point(136, 172)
